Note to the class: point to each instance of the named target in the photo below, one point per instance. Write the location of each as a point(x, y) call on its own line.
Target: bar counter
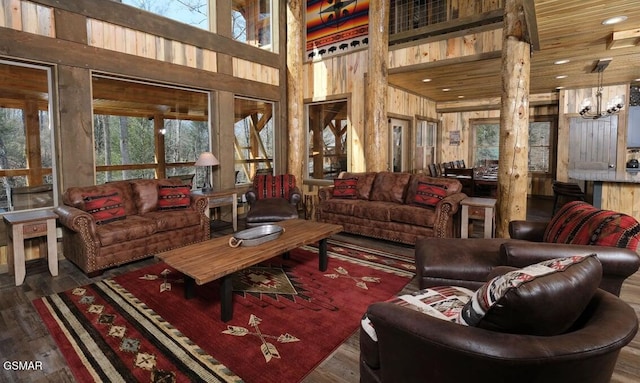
point(617, 191)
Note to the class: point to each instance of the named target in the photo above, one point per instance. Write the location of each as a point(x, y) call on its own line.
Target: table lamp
point(207, 159)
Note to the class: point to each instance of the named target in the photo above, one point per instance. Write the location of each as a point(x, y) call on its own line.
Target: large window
point(327, 139)
point(143, 130)
point(250, 19)
point(254, 138)
point(26, 138)
point(487, 139)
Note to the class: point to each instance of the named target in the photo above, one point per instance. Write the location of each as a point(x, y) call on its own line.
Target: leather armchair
point(414, 347)
point(272, 199)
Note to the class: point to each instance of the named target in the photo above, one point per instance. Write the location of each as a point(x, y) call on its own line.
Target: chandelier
point(613, 107)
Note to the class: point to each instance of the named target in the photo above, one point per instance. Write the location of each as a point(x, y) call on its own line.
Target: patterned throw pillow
point(442, 302)
point(171, 197)
point(270, 186)
point(580, 223)
point(105, 207)
point(429, 194)
point(345, 188)
point(541, 299)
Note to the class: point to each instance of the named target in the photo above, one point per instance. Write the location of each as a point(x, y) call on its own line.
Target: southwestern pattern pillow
point(270, 186)
point(580, 223)
point(429, 194)
point(345, 188)
point(104, 208)
point(172, 197)
point(541, 299)
point(442, 302)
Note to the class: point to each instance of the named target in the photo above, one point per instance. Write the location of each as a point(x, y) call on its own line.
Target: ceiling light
point(559, 87)
point(446, 89)
point(560, 62)
point(561, 76)
point(426, 80)
point(460, 96)
point(614, 20)
point(638, 79)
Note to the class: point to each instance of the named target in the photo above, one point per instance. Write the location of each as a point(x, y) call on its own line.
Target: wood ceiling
point(567, 29)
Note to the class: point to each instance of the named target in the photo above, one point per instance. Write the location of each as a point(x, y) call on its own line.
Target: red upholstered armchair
point(272, 199)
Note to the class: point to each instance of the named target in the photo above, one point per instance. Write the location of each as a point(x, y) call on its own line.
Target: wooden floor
point(23, 336)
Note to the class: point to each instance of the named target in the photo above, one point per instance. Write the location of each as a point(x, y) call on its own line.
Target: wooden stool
point(482, 208)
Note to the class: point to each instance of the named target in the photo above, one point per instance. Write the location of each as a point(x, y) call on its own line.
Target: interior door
point(593, 143)
point(399, 145)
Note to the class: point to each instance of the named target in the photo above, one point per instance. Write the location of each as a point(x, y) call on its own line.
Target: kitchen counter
point(629, 175)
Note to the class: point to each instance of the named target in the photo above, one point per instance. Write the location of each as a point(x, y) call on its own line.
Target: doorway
point(399, 140)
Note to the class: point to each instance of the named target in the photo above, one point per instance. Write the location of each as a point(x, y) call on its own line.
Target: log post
point(514, 119)
point(376, 125)
point(296, 148)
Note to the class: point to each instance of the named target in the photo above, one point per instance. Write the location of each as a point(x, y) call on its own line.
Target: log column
point(376, 125)
point(514, 119)
point(295, 101)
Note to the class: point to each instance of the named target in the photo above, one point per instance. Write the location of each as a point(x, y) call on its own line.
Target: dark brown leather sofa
point(414, 347)
point(384, 206)
point(144, 231)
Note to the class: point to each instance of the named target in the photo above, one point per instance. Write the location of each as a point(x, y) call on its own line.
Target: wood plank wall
point(110, 37)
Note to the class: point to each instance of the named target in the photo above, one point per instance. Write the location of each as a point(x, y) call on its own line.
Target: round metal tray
point(256, 235)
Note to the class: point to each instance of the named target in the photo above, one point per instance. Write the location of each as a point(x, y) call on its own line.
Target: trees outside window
point(486, 135)
point(254, 138)
point(327, 138)
point(143, 130)
point(26, 138)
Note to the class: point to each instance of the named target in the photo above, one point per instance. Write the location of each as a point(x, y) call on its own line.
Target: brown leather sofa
point(388, 205)
point(144, 230)
point(414, 347)
point(467, 262)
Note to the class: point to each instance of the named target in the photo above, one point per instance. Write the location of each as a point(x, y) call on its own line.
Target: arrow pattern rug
point(288, 317)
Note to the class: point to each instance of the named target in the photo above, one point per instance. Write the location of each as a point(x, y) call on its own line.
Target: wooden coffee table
point(206, 261)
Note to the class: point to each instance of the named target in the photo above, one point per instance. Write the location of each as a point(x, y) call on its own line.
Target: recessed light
point(426, 80)
point(559, 87)
point(562, 76)
point(560, 62)
point(614, 20)
point(638, 79)
point(446, 89)
point(460, 96)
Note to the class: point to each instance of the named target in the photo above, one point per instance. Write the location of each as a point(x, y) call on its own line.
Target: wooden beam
point(513, 169)
point(376, 132)
point(296, 127)
point(493, 103)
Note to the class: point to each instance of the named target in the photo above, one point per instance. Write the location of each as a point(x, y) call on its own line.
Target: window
point(487, 138)
point(143, 130)
point(250, 19)
point(192, 12)
point(327, 139)
point(254, 138)
point(425, 150)
point(27, 174)
point(251, 22)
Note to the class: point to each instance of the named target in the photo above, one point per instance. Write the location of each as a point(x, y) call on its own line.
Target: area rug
point(288, 317)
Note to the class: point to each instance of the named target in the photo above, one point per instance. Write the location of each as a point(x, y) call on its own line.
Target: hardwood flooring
point(23, 336)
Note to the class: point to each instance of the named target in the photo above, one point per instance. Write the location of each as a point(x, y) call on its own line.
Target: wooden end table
point(220, 198)
point(482, 208)
point(206, 261)
point(25, 225)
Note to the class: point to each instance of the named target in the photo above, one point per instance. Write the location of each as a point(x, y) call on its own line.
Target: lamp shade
point(207, 159)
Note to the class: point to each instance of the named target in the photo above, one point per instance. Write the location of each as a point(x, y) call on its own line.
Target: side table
point(25, 225)
point(482, 208)
point(222, 198)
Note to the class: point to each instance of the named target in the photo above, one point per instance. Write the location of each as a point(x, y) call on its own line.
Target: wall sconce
point(207, 159)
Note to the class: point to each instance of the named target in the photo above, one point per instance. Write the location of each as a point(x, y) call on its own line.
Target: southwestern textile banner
point(336, 27)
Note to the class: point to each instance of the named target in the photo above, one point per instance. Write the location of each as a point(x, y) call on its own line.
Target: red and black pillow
point(345, 188)
point(105, 207)
point(173, 197)
point(428, 194)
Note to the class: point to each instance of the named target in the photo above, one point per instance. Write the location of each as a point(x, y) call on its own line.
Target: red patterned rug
point(288, 317)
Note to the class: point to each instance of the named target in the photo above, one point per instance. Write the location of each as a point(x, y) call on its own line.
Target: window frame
point(553, 123)
point(346, 146)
